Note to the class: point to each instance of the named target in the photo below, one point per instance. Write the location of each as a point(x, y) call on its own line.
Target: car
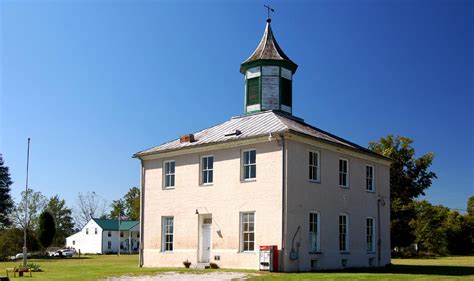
point(19, 256)
point(64, 253)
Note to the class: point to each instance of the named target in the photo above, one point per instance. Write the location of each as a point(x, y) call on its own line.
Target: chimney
point(187, 138)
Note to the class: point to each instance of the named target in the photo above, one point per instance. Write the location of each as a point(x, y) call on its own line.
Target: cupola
point(268, 76)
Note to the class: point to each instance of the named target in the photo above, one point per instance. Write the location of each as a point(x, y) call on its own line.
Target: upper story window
point(369, 178)
point(314, 171)
point(314, 232)
point(343, 233)
point(169, 169)
point(370, 234)
point(95, 230)
point(249, 164)
point(109, 234)
point(247, 235)
point(121, 233)
point(167, 234)
point(87, 230)
point(207, 169)
point(343, 172)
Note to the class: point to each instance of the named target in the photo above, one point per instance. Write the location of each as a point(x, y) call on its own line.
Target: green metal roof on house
point(107, 224)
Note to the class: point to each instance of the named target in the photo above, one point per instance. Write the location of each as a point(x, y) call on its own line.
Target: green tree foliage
point(6, 202)
point(441, 231)
point(36, 204)
point(63, 219)
point(129, 205)
point(12, 242)
point(46, 229)
point(470, 206)
point(430, 228)
point(409, 178)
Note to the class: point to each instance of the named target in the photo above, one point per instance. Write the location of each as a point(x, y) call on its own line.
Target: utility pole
point(25, 252)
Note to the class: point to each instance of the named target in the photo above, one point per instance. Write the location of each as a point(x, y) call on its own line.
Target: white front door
point(206, 239)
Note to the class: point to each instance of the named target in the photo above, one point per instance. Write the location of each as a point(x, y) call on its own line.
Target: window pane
point(253, 171)
point(210, 176)
point(253, 91)
point(210, 163)
point(252, 156)
point(246, 157)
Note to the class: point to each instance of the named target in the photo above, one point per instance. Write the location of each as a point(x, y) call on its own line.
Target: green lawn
point(97, 267)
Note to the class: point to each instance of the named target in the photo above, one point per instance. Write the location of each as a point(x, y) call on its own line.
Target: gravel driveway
point(168, 276)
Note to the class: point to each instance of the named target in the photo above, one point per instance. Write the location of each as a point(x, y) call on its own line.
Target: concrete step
point(202, 265)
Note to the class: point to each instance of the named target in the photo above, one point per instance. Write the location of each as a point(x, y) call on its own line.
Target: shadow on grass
point(416, 269)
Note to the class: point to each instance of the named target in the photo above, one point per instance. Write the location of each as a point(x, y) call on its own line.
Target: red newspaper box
point(268, 258)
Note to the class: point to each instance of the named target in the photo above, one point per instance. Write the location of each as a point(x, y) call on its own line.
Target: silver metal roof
point(254, 125)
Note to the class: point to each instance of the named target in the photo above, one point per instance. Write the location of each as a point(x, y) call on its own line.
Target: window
point(87, 231)
point(369, 178)
point(370, 235)
point(109, 245)
point(121, 233)
point(167, 234)
point(253, 91)
point(314, 232)
point(207, 169)
point(121, 245)
point(343, 233)
point(343, 172)
point(314, 166)
point(285, 92)
point(138, 234)
point(247, 226)
point(109, 233)
point(73, 242)
point(249, 165)
point(169, 173)
point(95, 230)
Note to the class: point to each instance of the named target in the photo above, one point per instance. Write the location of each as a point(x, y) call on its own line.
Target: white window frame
point(243, 165)
point(317, 166)
point(370, 246)
point(346, 233)
point(203, 170)
point(318, 233)
point(367, 178)
point(248, 231)
point(165, 232)
point(170, 174)
point(346, 173)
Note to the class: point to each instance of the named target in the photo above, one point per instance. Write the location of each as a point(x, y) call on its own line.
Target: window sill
point(166, 252)
point(248, 252)
point(370, 252)
point(207, 184)
point(168, 188)
point(370, 191)
point(248, 180)
point(345, 253)
point(316, 253)
point(345, 187)
point(314, 181)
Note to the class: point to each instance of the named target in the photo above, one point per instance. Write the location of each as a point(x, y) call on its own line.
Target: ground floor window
point(109, 245)
point(167, 234)
point(247, 226)
point(370, 234)
point(343, 233)
point(314, 232)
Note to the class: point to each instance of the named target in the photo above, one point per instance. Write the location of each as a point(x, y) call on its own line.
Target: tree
point(459, 233)
point(63, 219)
point(409, 178)
point(46, 229)
point(129, 205)
point(36, 205)
point(430, 227)
point(6, 202)
point(470, 206)
point(88, 206)
point(12, 242)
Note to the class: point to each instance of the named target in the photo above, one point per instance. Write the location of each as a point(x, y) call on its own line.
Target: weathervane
point(268, 11)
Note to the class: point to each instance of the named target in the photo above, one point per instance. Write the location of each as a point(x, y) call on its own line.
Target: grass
point(98, 267)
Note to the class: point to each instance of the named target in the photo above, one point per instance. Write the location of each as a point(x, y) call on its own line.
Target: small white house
point(101, 236)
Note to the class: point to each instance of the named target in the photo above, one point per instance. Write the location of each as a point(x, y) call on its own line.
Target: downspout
point(142, 214)
point(284, 191)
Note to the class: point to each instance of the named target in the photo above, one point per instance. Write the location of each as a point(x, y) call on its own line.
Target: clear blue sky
point(92, 82)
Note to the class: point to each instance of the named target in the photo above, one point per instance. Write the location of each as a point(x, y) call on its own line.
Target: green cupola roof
point(268, 52)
